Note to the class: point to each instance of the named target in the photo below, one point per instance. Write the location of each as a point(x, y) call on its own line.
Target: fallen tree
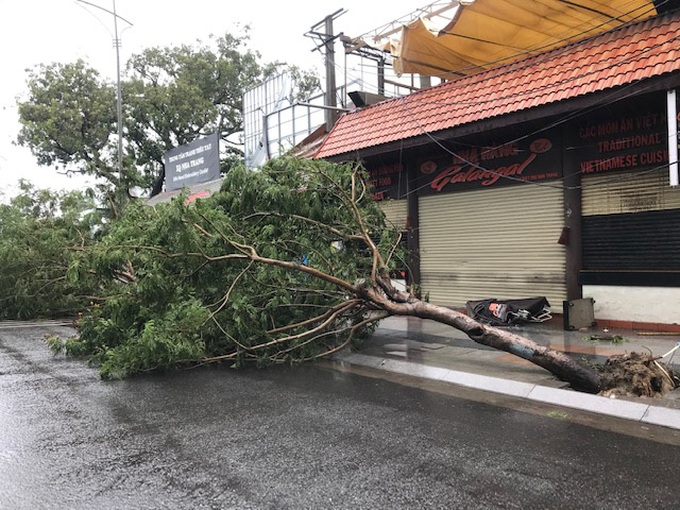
point(41, 231)
point(287, 264)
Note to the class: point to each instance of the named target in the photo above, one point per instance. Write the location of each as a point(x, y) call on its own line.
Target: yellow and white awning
point(483, 34)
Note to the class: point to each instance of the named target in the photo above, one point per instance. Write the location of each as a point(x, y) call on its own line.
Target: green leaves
point(68, 117)
point(41, 233)
point(170, 96)
point(178, 285)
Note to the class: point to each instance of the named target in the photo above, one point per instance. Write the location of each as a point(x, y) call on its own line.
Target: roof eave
point(587, 101)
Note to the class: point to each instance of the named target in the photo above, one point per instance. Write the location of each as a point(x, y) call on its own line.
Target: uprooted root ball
point(637, 374)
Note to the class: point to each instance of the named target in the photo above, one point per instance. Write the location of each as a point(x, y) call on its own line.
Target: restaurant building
point(548, 176)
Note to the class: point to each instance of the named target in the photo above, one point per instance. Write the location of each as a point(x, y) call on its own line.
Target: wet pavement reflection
point(301, 437)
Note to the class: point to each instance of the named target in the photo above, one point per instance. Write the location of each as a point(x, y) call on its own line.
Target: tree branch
point(225, 299)
point(314, 320)
point(309, 221)
point(350, 337)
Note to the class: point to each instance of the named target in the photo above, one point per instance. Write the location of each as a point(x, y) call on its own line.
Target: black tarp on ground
point(507, 312)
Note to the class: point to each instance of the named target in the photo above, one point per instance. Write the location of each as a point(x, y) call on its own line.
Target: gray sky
point(44, 31)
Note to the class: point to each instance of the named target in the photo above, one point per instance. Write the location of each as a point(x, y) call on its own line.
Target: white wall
point(638, 304)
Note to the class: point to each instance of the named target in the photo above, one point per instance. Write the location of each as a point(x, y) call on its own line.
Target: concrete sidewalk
point(435, 351)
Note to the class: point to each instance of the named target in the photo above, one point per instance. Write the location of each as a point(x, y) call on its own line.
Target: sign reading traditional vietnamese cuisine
point(631, 139)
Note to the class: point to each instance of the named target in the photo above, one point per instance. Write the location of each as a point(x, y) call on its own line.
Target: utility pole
point(331, 99)
point(381, 76)
point(327, 38)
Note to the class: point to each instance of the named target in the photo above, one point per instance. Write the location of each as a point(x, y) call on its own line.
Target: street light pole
point(119, 95)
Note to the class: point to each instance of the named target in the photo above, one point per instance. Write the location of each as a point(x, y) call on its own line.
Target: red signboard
point(631, 137)
point(536, 158)
point(387, 181)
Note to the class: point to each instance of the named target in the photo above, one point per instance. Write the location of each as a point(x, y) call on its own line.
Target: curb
point(634, 411)
point(42, 323)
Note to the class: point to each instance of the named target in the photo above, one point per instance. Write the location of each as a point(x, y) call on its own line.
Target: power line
point(522, 53)
point(528, 91)
point(359, 75)
point(475, 165)
point(571, 116)
point(609, 99)
point(533, 91)
point(530, 62)
point(560, 38)
point(550, 54)
point(567, 118)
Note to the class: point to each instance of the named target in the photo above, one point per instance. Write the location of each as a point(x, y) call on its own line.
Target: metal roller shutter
point(629, 193)
point(644, 241)
point(498, 243)
point(396, 212)
point(631, 222)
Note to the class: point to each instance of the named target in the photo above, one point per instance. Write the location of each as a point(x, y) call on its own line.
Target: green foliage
point(175, 94)
point(69, 116)
point(179, 289)
point(171, 96)
point(40, 233)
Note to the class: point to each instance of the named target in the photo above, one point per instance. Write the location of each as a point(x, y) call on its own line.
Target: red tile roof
point(630, 53)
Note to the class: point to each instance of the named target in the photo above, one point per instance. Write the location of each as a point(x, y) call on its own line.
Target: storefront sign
point(492, 165)
point(634, 138)
point(387, 181)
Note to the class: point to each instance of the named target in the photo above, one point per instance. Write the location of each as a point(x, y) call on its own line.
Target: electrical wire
point(466, 162)
point(567, 118)
point(551, 184)
point(560, 38)
point(571, 116)
point(549, 55)
point(517, 95)
point(608, 99)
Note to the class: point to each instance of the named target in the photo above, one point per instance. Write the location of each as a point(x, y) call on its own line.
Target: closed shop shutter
point(631, 222)
point(629, 192)
point(396, 212)
point(499, 243)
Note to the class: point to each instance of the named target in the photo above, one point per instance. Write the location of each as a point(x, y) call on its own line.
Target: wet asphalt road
point(307, 437)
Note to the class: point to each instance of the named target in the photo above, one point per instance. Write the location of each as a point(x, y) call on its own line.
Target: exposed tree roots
point(637, 374)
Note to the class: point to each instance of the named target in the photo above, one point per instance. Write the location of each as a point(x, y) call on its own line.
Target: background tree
point(171, 96)
point(177, 94)
point(68, 121)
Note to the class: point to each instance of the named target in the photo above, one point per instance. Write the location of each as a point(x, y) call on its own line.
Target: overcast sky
point(44, 31)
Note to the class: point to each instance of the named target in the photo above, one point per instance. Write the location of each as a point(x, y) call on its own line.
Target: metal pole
point(331, 116)
point(381, 77)
point(671, 103)
point(345, 96)
point(119, 97)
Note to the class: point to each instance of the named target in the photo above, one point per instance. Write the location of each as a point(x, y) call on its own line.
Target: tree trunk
point(557, 363)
